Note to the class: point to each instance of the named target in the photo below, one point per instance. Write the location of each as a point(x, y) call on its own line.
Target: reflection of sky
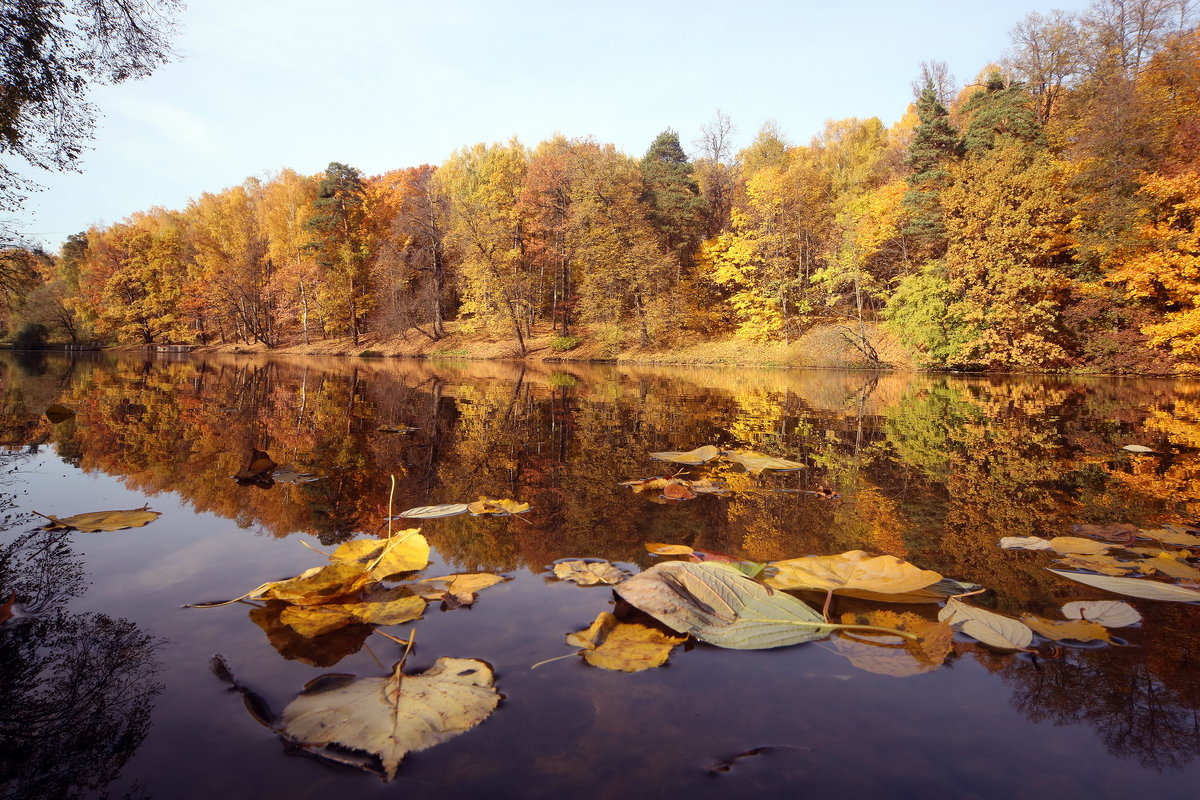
point(387, 84)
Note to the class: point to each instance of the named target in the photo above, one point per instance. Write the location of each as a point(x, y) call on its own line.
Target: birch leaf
point(721, 607)
point(692, 457)
point(1135, 587)
point(624, 646)
point(855, 569)
point(986, 626)
point(1109, 613)
point(391, 717)
point(496, 508)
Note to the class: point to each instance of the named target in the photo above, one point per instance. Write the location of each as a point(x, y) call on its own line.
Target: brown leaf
point(889, 655)
point(1116, 532)
point(96, 521)
point(497, 508)
point(660, 549)
point(677, 490)
point(588, 573)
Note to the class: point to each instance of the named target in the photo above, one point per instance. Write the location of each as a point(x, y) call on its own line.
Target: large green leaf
point(721, 607)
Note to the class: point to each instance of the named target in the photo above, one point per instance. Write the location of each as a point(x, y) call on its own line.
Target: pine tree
point(934, 147)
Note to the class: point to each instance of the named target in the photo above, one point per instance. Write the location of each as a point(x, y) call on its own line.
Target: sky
point(260, 85)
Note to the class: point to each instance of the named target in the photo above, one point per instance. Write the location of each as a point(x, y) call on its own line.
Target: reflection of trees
point(77, 690)
point(1138, 707)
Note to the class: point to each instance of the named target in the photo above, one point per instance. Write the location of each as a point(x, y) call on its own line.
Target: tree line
point(1045, 216)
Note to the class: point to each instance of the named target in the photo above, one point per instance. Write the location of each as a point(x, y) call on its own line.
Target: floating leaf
point(721, 607)
point(456, 590)
point(852, 570)
point(757, 462)
point(588, 573)
point(405, 551)
point(390, 717)
point(257, 471)
point(1024, 543)
point(1069, 545)
point(434, 512)
point(1175, 537)
point(318, 585)
point(396, 429)
point(291, 476)
point(645, 484)
point(497, 508)
point(692, 457)
point(96, 521)
point(1138, 448)
point(882, 655)
point(677, 490)
point(1135, 587)
point(315, 620)
point(660, 549)
point(1172, 566)
point(57, 413)
point(986, 626)
point(1109, 613)
point(1106, 565)
point(1077, 630)
point(628, 647)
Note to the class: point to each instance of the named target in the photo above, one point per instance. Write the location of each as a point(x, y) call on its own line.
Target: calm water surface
point(108, 691)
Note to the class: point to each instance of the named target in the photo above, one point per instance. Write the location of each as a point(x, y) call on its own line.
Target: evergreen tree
point(673, 196)
point(340, 240)
point(1000, 109)
point(934, 147)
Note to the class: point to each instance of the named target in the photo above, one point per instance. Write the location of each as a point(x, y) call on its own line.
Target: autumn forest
point(1045, 216)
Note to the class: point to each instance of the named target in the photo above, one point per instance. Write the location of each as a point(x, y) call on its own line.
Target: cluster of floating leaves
point(674, 488)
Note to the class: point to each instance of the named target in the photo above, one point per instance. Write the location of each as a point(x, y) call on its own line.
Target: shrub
point(32, 337)
point(561, 344)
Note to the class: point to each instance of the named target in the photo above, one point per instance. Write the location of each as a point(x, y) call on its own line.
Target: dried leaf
point(457, 590)
point(851, 570)
point(1136, 587)
point(57, 413)
point(435, 512)
point(721, 607)
point(677, 490)
point(291, 476)
point(588, 573)
point(1024, 543)
point(257, 471)
point(1078, 630)
point(1109, 613)
point(318, 651)
point(405, 551)
point(390, 717)
point(1138, 448)
point(1069, 545)
point(624, 646)
point(660, 549)
point(757, 462)
point(884, 655)
point(319, 585)
point(497, 508)
point(315, 620)
point(692, 457)
point(1106, 565)
point(96, 521)
point(1171, 565)
point(1175, 537)
point(995, 630)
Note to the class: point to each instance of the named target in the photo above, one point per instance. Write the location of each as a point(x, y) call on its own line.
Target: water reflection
point(77, 690)
point(931, 468)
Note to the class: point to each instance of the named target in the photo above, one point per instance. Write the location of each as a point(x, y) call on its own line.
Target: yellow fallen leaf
point(757, 462)
point(324, 650)
point(96, 521)
point(660, 549)
point(405, 551)
point(646, 484)
point(320, 585)
point(390, 717)
point(498, 508)
point(1173, 566)
point(851, 570)
point(460, 588)
point(692, 457)
point(1105, 565)
point(624, 646)
point(1177, 538)
point(313, 621)
point(1078, 630)
point(1078, 545)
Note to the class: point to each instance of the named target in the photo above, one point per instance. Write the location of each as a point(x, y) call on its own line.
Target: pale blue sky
point(264, 84)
